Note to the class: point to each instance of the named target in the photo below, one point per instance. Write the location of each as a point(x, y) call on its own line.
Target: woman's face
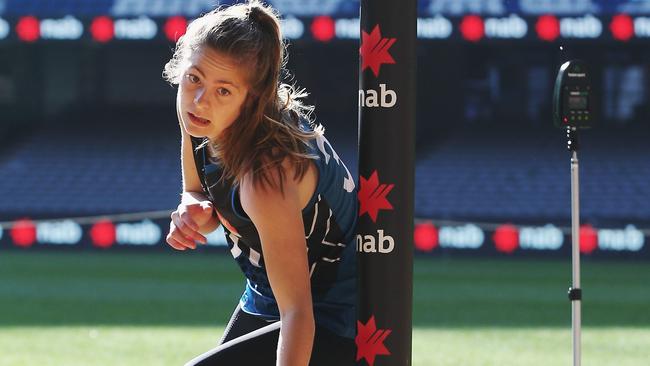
point(211, 92)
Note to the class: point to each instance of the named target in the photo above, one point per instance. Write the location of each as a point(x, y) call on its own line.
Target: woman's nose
point(199, 97)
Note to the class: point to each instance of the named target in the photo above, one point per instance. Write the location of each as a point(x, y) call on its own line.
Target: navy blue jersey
point(329, 221)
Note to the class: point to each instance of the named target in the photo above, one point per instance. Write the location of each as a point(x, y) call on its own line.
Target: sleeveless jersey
point(329, 221)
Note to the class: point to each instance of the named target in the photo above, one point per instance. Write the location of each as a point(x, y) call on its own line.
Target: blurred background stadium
point(89, 168)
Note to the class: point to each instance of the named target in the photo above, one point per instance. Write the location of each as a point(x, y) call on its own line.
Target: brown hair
point(267, 130)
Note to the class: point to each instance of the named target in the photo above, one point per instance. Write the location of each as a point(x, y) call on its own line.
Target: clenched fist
point(185, 223)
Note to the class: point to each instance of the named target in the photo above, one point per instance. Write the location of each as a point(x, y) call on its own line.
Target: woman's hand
point(188, 221)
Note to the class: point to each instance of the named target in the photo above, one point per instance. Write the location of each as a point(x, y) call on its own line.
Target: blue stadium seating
point(473, 174)
point(94, 170)
point(524, 175)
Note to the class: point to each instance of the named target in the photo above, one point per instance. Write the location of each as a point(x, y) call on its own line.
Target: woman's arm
point(278, 219)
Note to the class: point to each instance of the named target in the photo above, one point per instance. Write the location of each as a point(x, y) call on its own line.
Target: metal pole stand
point(575, 292)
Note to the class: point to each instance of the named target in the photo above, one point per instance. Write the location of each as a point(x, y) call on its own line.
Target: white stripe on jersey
point(333, 244)
point(348, 182)
point(235, 250)
point(254, 257)
point(331, 260)
point(327, 232)
point(313, 222)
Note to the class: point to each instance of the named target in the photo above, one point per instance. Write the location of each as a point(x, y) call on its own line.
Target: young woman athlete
point(253, 162)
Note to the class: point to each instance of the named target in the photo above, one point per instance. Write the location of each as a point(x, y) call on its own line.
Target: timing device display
point(573, 104)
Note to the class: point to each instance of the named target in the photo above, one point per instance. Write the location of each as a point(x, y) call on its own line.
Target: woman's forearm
point(189, 197)
point(296, 338)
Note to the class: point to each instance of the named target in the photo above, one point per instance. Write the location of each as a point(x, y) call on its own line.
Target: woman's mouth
point(198, 120)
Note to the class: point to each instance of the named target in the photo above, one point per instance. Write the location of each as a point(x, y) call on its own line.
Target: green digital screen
point(577, 102)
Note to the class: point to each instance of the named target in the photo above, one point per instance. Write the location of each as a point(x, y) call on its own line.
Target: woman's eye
point(223, 92)
point(192, 78)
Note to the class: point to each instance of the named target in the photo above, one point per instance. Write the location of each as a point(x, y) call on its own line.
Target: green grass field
point(106, 308)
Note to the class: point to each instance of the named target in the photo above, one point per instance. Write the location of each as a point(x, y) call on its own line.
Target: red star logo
point(374, 50)
point(372, 196)
point(370, 341)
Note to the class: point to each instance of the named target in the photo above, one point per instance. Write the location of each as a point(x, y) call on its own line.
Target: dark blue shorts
point(250, 340)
